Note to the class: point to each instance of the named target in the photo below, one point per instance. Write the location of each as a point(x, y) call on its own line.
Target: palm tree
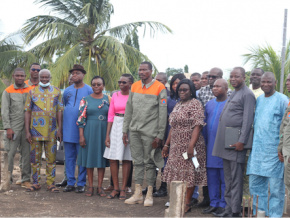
point(12, 56)
point(269, 60)
point(81, 33)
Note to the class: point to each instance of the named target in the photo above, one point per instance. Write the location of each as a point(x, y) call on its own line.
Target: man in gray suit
point(238, 112)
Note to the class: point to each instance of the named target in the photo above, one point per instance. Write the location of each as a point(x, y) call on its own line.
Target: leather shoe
point(69, 188)
point(209, 210)
point(193, 201)
point(63, 183)
point(80, 189)
point(162, 192)
point(223, 214)
point(204, 203)
point(218, 211)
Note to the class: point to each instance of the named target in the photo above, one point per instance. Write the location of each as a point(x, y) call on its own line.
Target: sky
point(206, 33)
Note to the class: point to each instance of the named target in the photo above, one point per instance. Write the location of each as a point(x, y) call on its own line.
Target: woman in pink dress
point(115, 149)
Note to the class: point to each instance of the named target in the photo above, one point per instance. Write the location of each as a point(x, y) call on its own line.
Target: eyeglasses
point(122, 82)
point(183, 90)
point(211, 76)
point(33, 69)
point(97, 84)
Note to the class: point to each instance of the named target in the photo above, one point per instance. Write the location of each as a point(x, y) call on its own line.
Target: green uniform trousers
point(11, 147)
point(35, 157)
point(141, 147)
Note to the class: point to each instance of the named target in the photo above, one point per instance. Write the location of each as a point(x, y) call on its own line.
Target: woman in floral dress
point(186, 120)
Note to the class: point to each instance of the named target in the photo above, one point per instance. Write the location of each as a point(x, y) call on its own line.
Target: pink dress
point(117, 150)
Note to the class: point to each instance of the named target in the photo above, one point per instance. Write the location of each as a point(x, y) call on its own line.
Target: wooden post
point(177, 199)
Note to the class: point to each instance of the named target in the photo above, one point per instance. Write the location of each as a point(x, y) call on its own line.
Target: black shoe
point(144, 191)
point(223, 214)
point(69, 188)
point(194, 202)
point(218, 211)
point(80, 189)
point(162, 192)
point(209, 210)
point(204, 203)
point(236, 215)
point(63, 183)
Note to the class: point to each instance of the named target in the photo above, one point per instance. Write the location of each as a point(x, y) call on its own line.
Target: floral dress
point(183, 119)
point(93, 114)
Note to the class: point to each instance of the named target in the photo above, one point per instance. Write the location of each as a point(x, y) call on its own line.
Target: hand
point(59, 135)
point(10, 134)
point(82, 141)
point(28, 137)
point(165, 151)
point(239, 146)
point(281, 158)
point(190, 152)
point(156, 143)
point(107, 142)
point(125, 139)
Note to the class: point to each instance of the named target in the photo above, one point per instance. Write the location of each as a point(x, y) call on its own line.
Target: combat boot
point(149, 198)
point(137, 197)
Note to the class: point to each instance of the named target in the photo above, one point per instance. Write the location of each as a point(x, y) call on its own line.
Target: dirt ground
point(17, 202)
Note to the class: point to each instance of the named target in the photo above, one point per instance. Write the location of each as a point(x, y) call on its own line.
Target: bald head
point(220, 89)
point(214, 74)
point(161, 77)
point(269, 75)
point(268, 83)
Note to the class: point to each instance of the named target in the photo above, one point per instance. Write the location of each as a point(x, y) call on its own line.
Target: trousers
point(71, 153)
point(233, 176)
point(259, 185)
point(141, 147)
point(35, 159)
point(24, 149)
point(216, 187)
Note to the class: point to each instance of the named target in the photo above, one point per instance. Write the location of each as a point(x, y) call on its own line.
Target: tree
point(269, 60)
point(12, 56)
point(81, 31)
point(171, 71)
point(186, 68)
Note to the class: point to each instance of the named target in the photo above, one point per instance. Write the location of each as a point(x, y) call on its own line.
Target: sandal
point(101, 193)
point(122, 197)
point(90, 193)
point(52, 188)
point(113, 196)
point(33, 188)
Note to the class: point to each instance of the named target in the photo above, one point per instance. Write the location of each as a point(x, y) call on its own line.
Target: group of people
point(230, 142)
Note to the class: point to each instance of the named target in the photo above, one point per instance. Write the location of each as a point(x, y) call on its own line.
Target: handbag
point(232, 135)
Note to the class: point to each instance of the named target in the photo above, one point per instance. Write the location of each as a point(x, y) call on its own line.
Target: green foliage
point(80, 33)
point(269, 60)
point(171, 71)
point(186, 68)
point(13, 56)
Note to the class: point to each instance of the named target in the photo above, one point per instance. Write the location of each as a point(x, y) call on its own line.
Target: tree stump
point(177, 199)
point(5, 186)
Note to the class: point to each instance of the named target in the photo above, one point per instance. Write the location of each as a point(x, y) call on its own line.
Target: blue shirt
point(263, 160)
point(213, 110)
point(71, 101)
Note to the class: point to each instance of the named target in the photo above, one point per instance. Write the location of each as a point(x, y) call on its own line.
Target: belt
point(119, 115)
